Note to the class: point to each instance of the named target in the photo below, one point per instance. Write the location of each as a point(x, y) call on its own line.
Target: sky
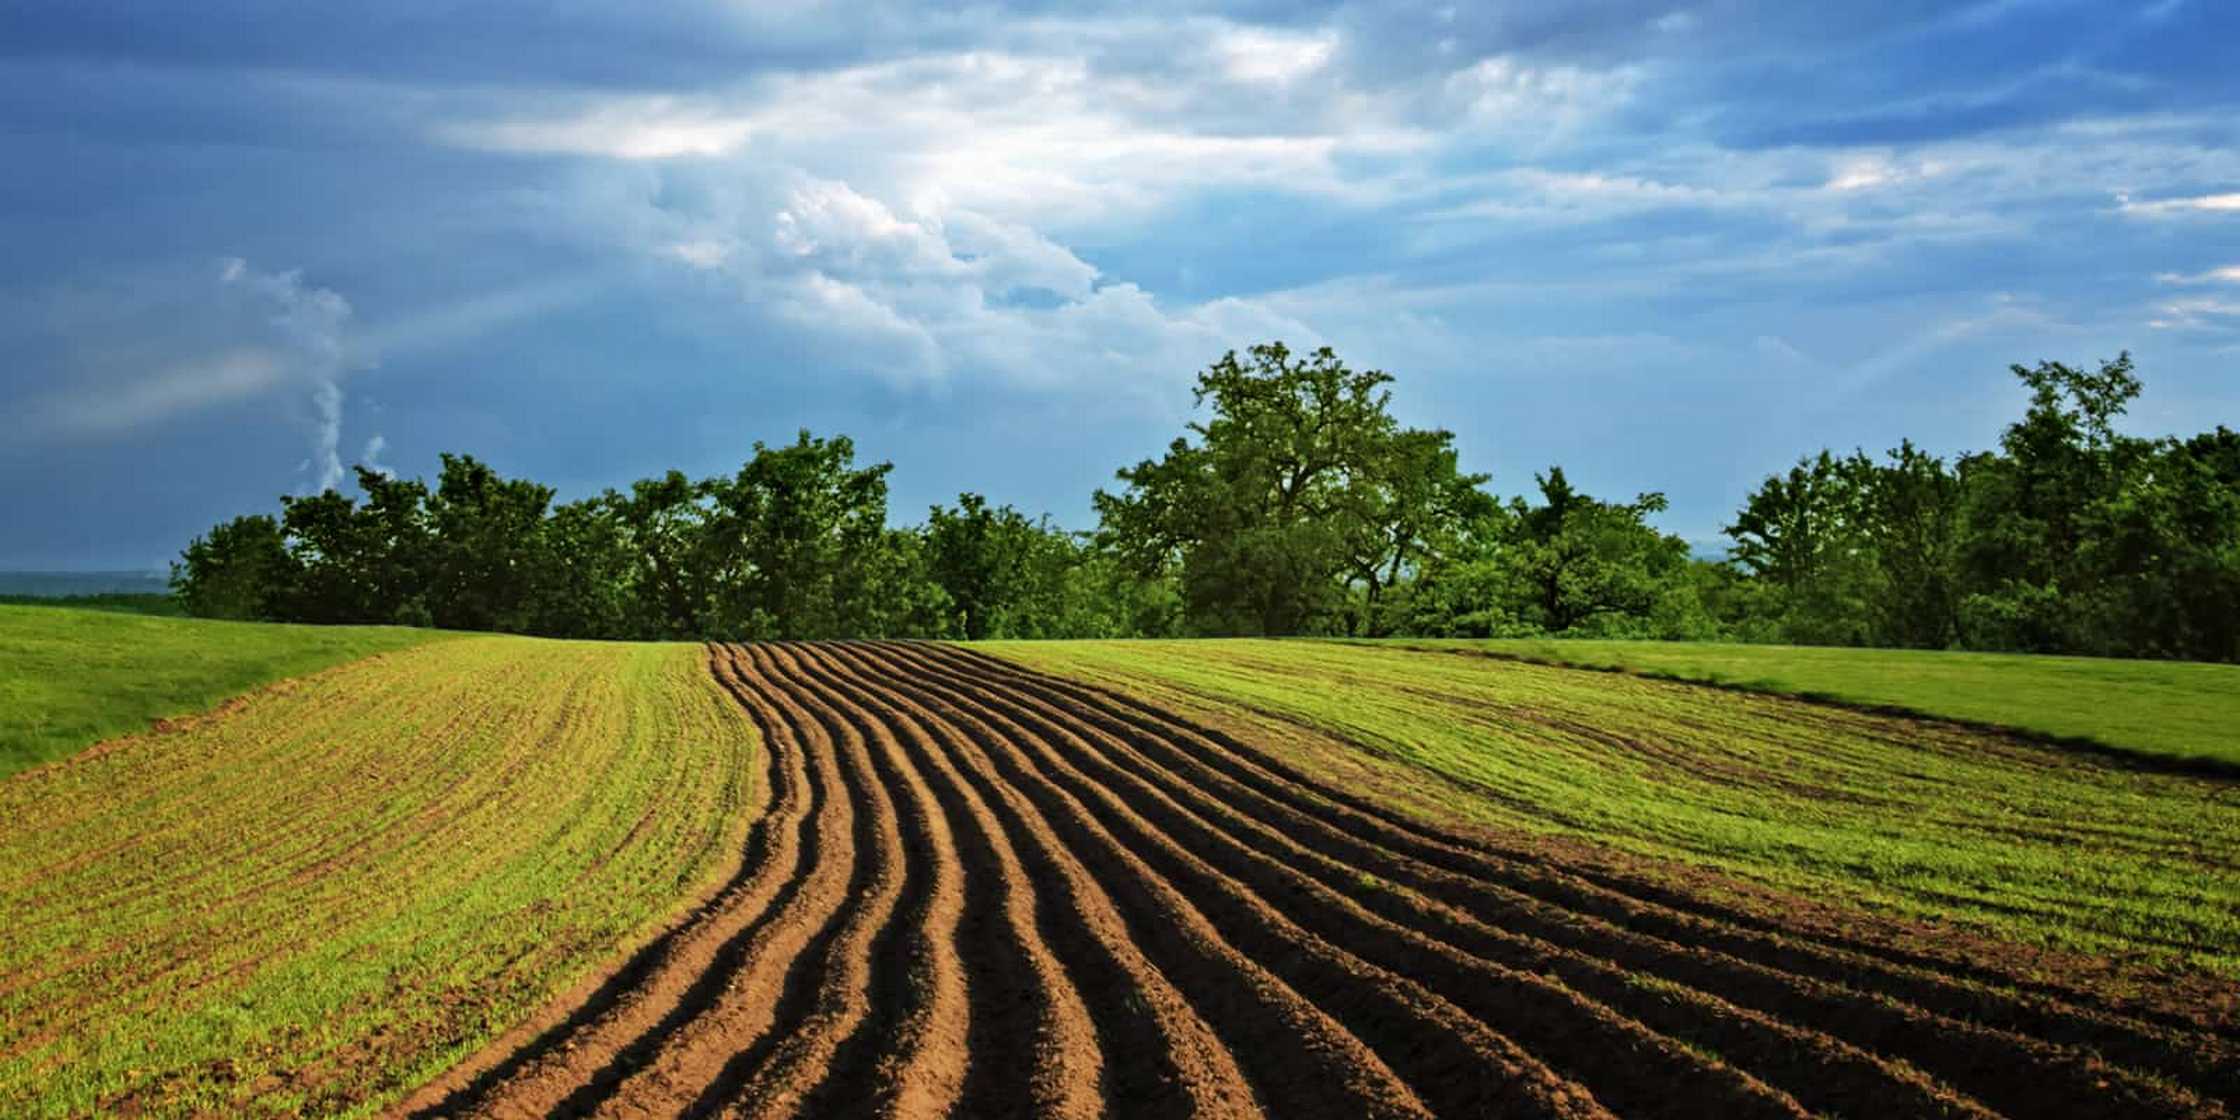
point(1670, 246)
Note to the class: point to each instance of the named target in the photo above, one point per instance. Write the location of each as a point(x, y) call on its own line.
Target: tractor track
point(977, 890)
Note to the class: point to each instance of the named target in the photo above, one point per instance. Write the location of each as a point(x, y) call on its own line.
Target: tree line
point(1298, 504)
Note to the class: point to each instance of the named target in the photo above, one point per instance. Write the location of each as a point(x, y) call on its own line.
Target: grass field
point(126, 602)
point(71, 677)
point(2172, 709)
point(317, 898)
point(1926, 820)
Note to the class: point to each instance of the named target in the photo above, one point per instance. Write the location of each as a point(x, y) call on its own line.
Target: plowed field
point(979, 890)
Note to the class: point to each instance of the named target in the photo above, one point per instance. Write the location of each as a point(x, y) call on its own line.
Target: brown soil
point(975, 890)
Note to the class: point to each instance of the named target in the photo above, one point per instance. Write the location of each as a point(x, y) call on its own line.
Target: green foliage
point(70, 678)
point(1583, 564)
point(2070, 538)
point(1299, 505)
point(239, 571)
point(488, 552)
point(796, 546)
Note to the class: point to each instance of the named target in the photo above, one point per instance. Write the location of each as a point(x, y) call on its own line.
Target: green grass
point(70, 678)
point(126, 601)
point(315, 902)
point(2171, 709)
point(2036, 842)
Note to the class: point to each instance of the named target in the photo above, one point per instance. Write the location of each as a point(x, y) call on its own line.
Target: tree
point(589, 587)
point(796, 544)
point(2034, 583)
point(1300, 484)
point(664, 522)
point(1005, 576)
point(241, 570)
point(488, 553)
point(1413, 508)
point(360, 563)
point(1910, 516)
point(1577, 560)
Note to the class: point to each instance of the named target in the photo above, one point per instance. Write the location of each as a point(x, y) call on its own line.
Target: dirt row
point(977, 890)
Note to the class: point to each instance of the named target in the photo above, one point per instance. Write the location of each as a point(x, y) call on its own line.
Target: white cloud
point(1033, 138)
point(166, 346)
point(1261, 56)
point(312, 324)
point(1871, 170)
point(2166, 207)
point(370, 458)
point(158, 346)
point(2230, 274)
point(2204, 313)
point(917, 296)
point(634, 128)
point(1517, 99)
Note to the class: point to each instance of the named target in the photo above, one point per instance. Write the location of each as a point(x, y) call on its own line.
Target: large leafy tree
point(489, 554)
point(241, 569)
point(1578, 560)
point(664, 521)
point(589, 589)
point(797, 545)
point(357, 562)
point(2035, 507)
point(1910, 516)
point(1298, 484)
point(1002, 572)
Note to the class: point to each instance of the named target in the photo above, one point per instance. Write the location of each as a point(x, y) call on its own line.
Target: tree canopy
point(1297, 503)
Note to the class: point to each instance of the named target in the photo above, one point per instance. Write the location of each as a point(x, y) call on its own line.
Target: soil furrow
point(1298, 1059)
point(1452, 1061)
point(1763, 970)
point(909, 1056)
point(1028, 1002)
point(1822, 1072)
point(1634, 1070)
point(841, 981)
point(1166, 1060)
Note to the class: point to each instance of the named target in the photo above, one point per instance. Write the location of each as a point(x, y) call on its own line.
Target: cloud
point(2229, 274)
point(370, 458)
point(167, 345)
point(628, 128)
point(2210, 314)
point(919, 298)
point(2169, 207)
point(1263, 56)
point(184, 386)
point(1038, 135)
point(312, 325)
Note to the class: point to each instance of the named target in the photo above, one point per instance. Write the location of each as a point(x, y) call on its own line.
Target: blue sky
point(1668, 245)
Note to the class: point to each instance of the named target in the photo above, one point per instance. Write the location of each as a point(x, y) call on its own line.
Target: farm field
point(1923, 820)
point(310, 900)
point(2181, 710)
point(491, 876)
point(77, 676)
point(984, 890)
